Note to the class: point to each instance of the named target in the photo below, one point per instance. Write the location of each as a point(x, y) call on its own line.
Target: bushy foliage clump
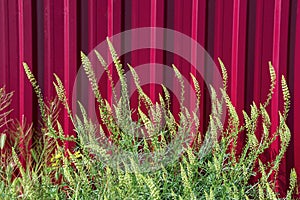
point(53, 172)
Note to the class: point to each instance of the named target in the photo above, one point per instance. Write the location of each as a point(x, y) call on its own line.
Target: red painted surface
point(296, 93)
point(245, 34)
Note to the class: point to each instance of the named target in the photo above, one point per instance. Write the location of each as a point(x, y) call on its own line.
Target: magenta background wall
point(245, 34)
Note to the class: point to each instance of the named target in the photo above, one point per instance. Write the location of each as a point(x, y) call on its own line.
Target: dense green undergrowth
point(35, 165)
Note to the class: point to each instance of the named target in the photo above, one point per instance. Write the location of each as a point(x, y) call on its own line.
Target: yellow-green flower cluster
point(55, 160)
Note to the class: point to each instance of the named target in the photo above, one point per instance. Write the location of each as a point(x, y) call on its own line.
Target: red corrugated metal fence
point(245, 34)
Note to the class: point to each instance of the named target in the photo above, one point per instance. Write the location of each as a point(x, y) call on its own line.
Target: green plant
point(5, 100)
point(218, 173)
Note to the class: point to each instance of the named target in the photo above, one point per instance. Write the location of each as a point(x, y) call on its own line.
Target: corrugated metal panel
point(294, 73)
point(245, 34)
